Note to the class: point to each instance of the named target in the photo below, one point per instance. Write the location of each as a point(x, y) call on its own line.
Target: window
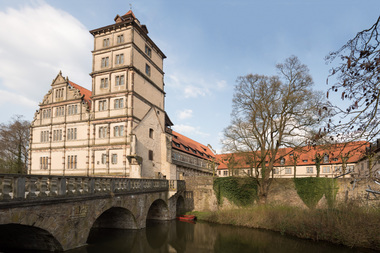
point(104, 83)
point(118, 131)
point(148, 51)
point(114, 159)
point(350, 168)
point(305, 161)
point(326, 169)
point(282, 161)
point(288, 170)
point(119, 103)
point(119, 80)
point(72, 162)
point(219, 172)
point(60, 111)
point(57, 135)
point(72, 109)
point(46, 113)
point(120, 38)
point(105, 62)
point(102, 105)
point(151, 155)
point(225, 173)
point(71, 134)
point(326, 158)
point(151, 132)
point(44, 161)
point(276, 171)
point(44, 137)
point(309, 169)
point(106, 42)
point(119, 59)
point(59, 93)
point(147, 69)
point(338, 169)
point(104, 158)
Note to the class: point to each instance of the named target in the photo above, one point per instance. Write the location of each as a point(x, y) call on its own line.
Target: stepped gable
point(189, 146)
point(85, 92)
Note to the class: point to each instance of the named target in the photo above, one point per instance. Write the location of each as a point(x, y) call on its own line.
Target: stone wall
point(200, 195)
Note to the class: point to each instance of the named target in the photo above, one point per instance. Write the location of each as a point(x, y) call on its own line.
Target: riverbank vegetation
point(350, 224)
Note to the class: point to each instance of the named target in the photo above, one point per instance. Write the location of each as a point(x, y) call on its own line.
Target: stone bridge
point(57, 213)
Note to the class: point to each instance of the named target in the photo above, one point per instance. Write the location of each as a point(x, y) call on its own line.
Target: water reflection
point(182, 237)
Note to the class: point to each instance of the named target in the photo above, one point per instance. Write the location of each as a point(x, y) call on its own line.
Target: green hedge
point(312, 189)
point(240, 191)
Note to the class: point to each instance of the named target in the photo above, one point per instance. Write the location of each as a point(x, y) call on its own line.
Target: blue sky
point(208, 44)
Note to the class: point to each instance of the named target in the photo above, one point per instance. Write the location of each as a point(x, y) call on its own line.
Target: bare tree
point(272, 112)
point(357, 79)
point(14, 143)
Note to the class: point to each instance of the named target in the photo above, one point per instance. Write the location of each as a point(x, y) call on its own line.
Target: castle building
point(120, 128)
point(334, 160)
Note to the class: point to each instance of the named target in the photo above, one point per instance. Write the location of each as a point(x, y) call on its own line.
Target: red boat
point(187, 218)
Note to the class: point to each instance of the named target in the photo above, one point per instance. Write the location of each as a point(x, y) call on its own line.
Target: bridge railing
point(25, 187)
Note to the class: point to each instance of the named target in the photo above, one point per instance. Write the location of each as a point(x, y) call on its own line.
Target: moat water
point(176, 236)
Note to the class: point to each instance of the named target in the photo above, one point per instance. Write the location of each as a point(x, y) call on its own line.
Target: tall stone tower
point(124, 128)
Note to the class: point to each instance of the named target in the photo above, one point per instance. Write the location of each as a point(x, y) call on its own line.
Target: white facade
point(117, 129)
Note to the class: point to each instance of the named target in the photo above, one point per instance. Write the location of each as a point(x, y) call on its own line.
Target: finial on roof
point(60, 72)
point(130, 6)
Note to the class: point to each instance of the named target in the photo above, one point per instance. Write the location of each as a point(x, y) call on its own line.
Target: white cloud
point(38, 41)
point(193, 86)
point(185, 114)
point(189, 130)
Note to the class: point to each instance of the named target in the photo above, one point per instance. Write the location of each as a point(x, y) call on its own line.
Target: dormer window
point(326, 158)
point(282, 161)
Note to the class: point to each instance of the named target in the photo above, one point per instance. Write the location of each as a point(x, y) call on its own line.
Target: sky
point(208, 45)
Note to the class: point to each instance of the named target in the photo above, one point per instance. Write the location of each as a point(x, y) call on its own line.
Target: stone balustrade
point(34, 187)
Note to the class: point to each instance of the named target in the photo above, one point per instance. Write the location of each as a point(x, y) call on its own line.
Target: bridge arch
point(116, 217)
point(24, 237)
point(158, 210)
point(180, 205)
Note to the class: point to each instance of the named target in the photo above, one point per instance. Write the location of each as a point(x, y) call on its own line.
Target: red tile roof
point(86, 93)
point(306, 155)
point(189, 146)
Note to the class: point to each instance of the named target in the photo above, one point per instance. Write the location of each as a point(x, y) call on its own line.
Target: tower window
point(148, 51)
point(147, 69)
point(104, 158)
point(44, 161)
point(119, 59)
point(119, 103)
point(118, 131)
point(106, 42)
point(119, 80)
point(120, 38)
point(151, 155)
point(105, 62)
point(151, 132)
point(103, 83)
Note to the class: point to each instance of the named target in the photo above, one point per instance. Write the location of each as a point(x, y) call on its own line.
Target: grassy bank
point(348, 225)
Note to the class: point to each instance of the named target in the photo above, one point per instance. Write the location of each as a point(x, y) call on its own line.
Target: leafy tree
point(358, 80)
point(14, 143)
point(270, 112)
